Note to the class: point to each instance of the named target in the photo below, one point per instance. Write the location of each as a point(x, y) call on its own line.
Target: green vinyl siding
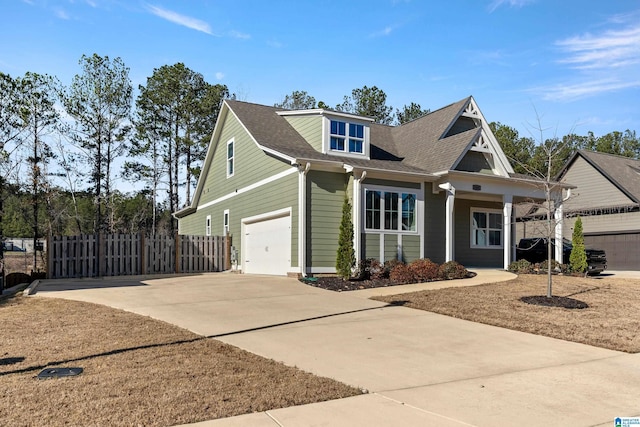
point(251, 164)
point(475, 161)
point(434, 225)
point(410, 247)
point(390, 246)
point(389, 183)
point(326, 192)
point(371, 243)
point(464, 253)
point(277, 195)
point(310, 127)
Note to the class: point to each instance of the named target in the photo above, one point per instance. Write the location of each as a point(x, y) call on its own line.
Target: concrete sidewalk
point(419, 367)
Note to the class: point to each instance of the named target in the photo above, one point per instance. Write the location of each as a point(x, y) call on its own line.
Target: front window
point(225, 222)
point(390, 210)
point(346, 137)
point(486, 229)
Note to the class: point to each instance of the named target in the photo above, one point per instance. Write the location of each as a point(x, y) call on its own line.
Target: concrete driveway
point(420, 368)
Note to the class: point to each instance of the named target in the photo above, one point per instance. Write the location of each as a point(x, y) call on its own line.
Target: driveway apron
point(420, 368)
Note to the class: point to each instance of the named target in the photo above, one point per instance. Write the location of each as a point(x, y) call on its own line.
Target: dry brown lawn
point(137, 371)
point(611, 321)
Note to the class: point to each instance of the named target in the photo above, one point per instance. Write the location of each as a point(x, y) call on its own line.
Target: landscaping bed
point(137, 371)
point(373, 274)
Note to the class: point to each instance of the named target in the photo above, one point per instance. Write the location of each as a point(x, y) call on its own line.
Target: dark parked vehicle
point(534, 250)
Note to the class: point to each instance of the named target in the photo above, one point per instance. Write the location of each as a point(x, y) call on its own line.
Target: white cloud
point(386, 31)
point(219, 75)
point(511, 3)
point(62, 14)
point(612, 49)
point(176, 18)
point(274, 43)
point(238, 35)
point(571, 92)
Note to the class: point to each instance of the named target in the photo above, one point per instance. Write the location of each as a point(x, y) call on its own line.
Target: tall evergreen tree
point(370, 102)
point(578, 257)
point(346, 258)
point(99, 101)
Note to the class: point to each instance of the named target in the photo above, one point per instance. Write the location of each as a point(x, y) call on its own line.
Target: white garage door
point(267, 246)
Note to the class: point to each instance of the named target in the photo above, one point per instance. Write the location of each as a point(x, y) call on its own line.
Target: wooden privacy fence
point(98, 255)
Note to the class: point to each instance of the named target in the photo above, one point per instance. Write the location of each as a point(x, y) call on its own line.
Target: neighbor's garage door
point(622, 249)
point(267, 246)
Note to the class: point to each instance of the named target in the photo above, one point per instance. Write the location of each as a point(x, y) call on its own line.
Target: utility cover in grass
point(59, 372)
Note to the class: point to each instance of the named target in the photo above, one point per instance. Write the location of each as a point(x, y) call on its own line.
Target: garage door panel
point(267, 246)
point(623, 250)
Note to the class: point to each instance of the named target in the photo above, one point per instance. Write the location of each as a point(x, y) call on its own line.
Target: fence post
point(49, 255)
point(177, 247)
point(142, 253)
point(101, 254)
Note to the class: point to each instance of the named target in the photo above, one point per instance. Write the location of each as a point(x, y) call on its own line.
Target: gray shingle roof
point(624, 172)
point(416, 147)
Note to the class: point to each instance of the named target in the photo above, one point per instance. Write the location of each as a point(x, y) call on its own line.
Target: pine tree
point(345, 258)
point(578, 257)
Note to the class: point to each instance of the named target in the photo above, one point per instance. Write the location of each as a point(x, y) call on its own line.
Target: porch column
point(302, 218)
point(558, 220)
point(449, 232)
point(357, 214)
point(506, 227)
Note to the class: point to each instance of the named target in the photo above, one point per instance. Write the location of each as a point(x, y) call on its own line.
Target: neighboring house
point(608, 201)
point(438, 187)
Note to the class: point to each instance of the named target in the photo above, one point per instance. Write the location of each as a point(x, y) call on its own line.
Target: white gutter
point(302, 218)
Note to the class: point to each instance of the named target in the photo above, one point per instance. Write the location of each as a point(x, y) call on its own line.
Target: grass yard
point(137, 371)
point(612, 319)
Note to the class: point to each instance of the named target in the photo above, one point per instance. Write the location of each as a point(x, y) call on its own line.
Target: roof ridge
point(618, 156)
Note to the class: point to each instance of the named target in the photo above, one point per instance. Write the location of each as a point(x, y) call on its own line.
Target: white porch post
point(302, 218)
point(449, 232)
point(558, 218)
point(506, 226)
point(357, 214)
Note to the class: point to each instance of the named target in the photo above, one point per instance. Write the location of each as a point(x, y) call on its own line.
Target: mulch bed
point(555, 301)
point(337, 284)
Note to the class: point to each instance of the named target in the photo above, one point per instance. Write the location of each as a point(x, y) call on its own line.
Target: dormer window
point(339, 137)
point(345, 137)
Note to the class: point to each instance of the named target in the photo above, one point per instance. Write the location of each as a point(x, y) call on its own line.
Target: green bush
point(521, 267)
point(345, 256)
point(423, 270)
point(452, 270)
point(578, 257)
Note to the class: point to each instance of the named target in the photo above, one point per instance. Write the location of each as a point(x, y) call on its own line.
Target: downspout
point(559, 234)
point(302, 218)
point(357, 214)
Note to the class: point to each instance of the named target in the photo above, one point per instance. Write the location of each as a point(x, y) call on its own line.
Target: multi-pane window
point(486, 228)
point(230, 158)
point(347, 137)
point(390, 210)
point(225, 222)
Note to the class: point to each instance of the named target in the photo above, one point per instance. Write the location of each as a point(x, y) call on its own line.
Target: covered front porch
point(479, 215)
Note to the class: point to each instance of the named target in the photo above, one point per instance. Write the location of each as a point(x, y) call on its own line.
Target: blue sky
point(576, 63)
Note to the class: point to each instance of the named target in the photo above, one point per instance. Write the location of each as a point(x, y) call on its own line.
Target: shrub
point(370, 268)
point(389, 266)
point(423, 270)
point(578, 256)
point(401, 273)
point(345, 256)
point(521, 267)
point(452, 270)
point(14, 279)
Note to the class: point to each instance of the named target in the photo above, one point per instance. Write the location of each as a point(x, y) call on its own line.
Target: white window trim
point(326, 144)
point(225, 222)
point(471, 229)
point(399, 190)
point(207, 227)
point(232, 159)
